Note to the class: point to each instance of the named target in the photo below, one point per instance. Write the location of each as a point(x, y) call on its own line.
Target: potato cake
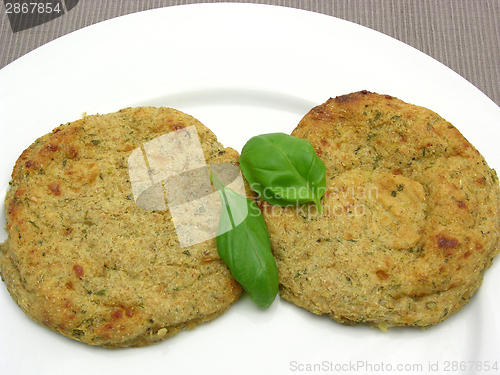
point(84, 260)
point(411, 216)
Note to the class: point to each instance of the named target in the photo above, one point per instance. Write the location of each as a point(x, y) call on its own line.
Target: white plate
point(242, 70)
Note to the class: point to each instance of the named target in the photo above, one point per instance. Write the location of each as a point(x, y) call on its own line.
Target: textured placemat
point(462, 34)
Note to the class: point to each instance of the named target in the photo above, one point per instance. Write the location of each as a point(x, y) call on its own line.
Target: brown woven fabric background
point(462, 34)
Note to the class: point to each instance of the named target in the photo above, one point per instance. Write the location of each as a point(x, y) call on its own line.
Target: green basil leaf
point(246, 248)
point(283, 169)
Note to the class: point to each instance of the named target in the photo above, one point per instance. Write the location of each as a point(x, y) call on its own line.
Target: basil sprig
point(245, 247)
point(283, 170)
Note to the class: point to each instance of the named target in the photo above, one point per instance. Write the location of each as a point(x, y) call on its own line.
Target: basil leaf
point(245, 248)
point(283, 169)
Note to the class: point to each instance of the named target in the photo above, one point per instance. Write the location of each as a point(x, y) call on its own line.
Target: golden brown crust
point(84, 260)
point(411, 216)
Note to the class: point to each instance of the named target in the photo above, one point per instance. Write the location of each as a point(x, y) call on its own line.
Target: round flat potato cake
point(83, 259)
point(410, 216)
